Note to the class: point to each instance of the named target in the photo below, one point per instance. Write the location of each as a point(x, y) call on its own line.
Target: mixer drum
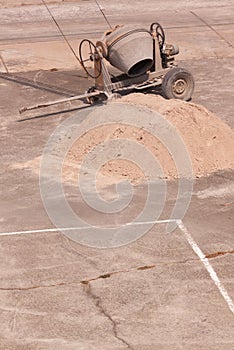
point(130, 50)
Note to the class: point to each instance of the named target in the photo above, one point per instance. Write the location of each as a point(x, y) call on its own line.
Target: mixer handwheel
point(158, 29)
point(88, 53)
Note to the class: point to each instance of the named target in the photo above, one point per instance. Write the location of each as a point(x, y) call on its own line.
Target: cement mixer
point(141, 60)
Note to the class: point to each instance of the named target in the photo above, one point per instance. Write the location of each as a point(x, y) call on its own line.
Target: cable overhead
point(60, 30)
point(101, 9)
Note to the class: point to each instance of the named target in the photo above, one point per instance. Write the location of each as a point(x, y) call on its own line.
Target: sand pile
point(209, 141)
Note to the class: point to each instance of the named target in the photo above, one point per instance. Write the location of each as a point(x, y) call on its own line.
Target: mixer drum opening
point(140, 67)
point(130, 50)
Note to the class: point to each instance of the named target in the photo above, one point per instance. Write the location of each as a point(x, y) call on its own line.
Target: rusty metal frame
point(103, 82)
point(105, 86)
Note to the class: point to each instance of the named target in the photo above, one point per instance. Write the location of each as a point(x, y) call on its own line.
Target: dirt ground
point(163, 291)
point(155, 283)
point(16, 3)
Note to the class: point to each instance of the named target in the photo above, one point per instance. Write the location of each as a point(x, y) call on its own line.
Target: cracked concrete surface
point(154, 294)
point(98, 303)
point(107, 274)
point(218, 254)
point(78, 325)
point(156, 291)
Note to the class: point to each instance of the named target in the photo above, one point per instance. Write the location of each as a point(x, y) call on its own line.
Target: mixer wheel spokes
point(178, 83)
point(88, 53)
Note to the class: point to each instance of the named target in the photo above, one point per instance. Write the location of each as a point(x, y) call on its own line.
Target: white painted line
point(207, 265)
point(151, 222)
point(84, 227)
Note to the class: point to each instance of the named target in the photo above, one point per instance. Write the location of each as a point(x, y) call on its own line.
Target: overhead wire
point(64, 36)
point(101, 9)
point(60, 30)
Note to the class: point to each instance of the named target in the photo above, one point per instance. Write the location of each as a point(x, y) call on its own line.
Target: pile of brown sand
point(210, 142)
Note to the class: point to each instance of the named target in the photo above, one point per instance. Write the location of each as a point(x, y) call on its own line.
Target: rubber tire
point(169, 80)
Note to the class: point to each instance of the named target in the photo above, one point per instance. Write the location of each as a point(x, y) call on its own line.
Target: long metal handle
point(51, 103)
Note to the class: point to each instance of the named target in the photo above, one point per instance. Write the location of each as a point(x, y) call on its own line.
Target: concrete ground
point(164, 291)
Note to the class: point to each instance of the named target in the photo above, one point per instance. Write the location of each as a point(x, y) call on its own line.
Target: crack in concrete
point(102, 276)
point(110, 274)
point(38, 286)
point(98, 304)
point(217, 254)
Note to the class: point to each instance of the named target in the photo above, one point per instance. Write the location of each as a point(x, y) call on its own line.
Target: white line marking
point(181, 226)
point(83, 227)
point(207, 265)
